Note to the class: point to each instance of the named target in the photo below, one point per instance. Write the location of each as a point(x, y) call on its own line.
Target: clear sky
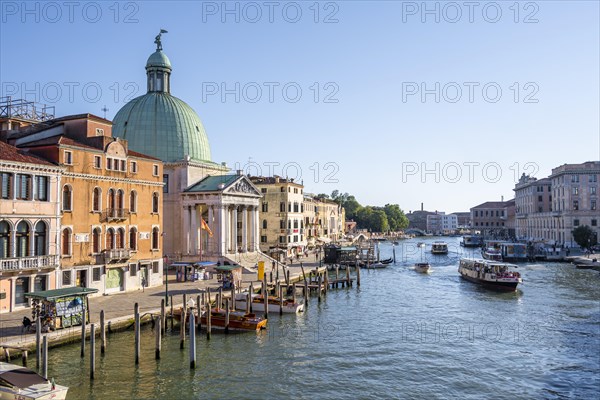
point(445, 103)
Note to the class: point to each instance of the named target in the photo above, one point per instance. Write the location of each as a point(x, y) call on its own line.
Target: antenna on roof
point(105, 110)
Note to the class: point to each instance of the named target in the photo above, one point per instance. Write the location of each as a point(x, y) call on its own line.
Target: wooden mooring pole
point(83, 335)
point(45, 357)
point(158, 337)
point(102, 333)
point(357, 276)
point(266, 297)
point(136, 313)
point(92, 350)
point(163, 316)
point(208, 319)
point(38, 342)
point(192, 340)
point(226, 315)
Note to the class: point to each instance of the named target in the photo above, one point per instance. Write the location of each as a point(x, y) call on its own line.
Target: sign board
point(82, 237)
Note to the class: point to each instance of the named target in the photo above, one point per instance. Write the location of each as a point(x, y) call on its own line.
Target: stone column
point(244, 229)
point(186, 230)
point(194, 229)
point(235, 229)
point(256, 230)
point(211, 225)
point(222, 227)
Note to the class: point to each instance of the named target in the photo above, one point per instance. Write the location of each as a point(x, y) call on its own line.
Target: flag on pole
point(205, 227)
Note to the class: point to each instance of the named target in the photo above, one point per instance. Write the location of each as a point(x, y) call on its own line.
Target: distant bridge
point(415, 231)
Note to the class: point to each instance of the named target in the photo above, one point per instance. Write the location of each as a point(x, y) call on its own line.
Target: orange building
point(110, 204)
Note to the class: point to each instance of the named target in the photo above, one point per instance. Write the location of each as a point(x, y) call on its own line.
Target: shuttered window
point(41, 188)
point(6, 182)
point(23, 187)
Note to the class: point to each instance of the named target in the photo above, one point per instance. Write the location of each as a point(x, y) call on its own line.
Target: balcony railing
point(28, 263)
point(115, 214)
point(115, 255)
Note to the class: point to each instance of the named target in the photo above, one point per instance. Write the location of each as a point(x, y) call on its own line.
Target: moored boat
point(471, 241)
point(24, 384)
point(238, 320)
point(490, 273)
point(274, 304)
point(439, 248)
point(422, 267)
point(491, 253)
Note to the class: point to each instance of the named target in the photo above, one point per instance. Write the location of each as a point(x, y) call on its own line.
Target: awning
point(324, 239)
point(227, 267)
point(58, 293)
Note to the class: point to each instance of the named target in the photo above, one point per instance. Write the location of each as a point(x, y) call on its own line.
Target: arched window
point(120, 199)
point(5, 248)
point(264, 224)
point(133, 239)
point(67, 197)
point(133, 201)
point(120, 241)
point(22, 239)
point(111, 199)
point(41, 249)
point(110, 238)
point(96, 241)
point(155, 202)
point(97, 199)
point(155, 236)
point(66, 242)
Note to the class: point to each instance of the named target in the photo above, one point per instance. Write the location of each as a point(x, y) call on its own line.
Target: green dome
point(158, 59)
point(163, 126)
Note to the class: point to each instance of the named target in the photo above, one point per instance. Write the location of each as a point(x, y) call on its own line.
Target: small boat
point(238, 320)
point(494, 274)
point(21, 383)
point(491, 253)
point(258, 304)
point(395, 243)
point(439, 248)
point(377, 265)
point(420, 244)
point(584, 266)
point(422, 267)
point(471, 241)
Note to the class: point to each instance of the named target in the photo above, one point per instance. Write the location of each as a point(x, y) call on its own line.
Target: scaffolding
point(25, 110)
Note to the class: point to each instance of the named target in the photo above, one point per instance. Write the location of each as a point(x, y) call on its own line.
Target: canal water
point(402, 334)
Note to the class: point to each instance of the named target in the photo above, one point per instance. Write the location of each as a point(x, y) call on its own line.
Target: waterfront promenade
point(119, 308)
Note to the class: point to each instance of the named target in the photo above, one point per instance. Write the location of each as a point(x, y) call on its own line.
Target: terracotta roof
point(11, 153)
point(140, 155)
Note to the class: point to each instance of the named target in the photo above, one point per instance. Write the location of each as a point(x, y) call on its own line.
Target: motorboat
point(422, 267)
point(439, 248)
point(495, 274)
point(20, 383)
point(238, 320)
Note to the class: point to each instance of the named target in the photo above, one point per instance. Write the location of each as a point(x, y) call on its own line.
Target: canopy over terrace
point(61, 308)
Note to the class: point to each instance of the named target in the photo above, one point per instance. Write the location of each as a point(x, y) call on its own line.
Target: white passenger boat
point(20, 383)
point(422, 267)
point(439, 248)
point(495, 274)
point(258, 304)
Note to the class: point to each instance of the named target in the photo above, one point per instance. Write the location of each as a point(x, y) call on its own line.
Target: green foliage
point(584, 236)
point(375, 219)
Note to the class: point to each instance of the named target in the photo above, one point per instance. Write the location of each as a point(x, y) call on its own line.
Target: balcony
point(521, 216)
point(116, 255)
point(29, 263)
point(115, 214)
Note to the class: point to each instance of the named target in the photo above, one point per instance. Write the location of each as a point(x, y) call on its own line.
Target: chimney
point(239, 172)
point(502, 199)
point(421, 206)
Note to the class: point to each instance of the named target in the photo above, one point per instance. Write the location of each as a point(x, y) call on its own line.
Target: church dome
point(159, 124)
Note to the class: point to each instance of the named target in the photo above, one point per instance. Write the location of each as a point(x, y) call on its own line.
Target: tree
point(396, 217)
point(584, 236)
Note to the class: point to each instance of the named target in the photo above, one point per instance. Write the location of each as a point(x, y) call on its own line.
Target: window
point(282, 224)
point(23, 187)
point(540, 209)
point(155, 267)
point(66, 242)
point(263, 190)
point(263, 239)
point(264, 224)
point(154, 169)
point(265, 207)
point(575, 190)
point(68, 157)
point(282, 239)
point(40, 247)
point(594, 222)
point(593, 205)
point(282, 207)
point(6, 180)
point(123, 165)
point(96, 200)
point(476, 213)
point(133, 201)
point(296, 207)
point(592, 189)
point(109, 163)
point(593, 178)
point(120, 239)
point(97, 162)
point(99, 132)
point(22, 243)
point(132, 269)
point(165, 183)
point(133, 239)
point(66, 278)
point(289, 207)
point(282, 189)
point(155, 203)
point(41, 192)
point(155, 235)
point(96, 274)
point(574, 178)
point(120, 200)
point(575, 205)
point(110, 238)
point(133, 168)
point(66, 198)
point(539, 198)
point(96, 241)
point(575, 222)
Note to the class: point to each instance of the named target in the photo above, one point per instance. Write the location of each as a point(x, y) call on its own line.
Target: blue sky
point(527, 75)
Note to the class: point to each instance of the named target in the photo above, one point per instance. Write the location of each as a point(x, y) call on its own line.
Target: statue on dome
point(157, 40)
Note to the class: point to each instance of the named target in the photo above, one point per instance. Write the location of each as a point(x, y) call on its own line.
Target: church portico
point(219, 218)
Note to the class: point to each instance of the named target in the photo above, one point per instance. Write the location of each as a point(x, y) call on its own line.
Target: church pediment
point(242, 186)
